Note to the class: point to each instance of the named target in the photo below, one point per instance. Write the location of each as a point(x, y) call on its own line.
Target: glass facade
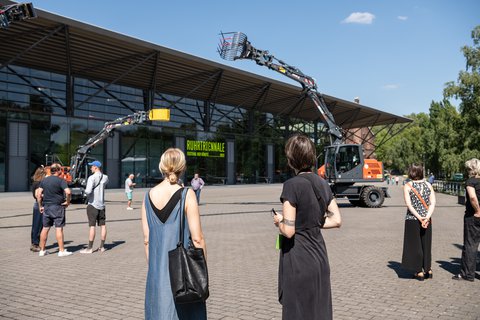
point(39, 98)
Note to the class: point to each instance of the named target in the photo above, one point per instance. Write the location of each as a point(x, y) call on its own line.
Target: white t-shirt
point(96, 196)
point(128, 185)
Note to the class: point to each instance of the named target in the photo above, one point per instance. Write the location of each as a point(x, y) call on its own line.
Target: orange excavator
point(345, 165)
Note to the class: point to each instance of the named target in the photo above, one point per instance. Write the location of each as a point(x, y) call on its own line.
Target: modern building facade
point(61, 80)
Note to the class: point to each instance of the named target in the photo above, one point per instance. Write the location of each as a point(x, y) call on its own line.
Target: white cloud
point(360, 17)
point(403, 18)
point(390, 86)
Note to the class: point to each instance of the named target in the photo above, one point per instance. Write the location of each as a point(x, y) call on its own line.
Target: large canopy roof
point(58, 44)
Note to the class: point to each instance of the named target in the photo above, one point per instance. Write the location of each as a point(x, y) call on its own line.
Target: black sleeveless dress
point(304, 272)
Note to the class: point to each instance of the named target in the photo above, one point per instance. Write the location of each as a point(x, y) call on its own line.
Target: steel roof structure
point(62, 45)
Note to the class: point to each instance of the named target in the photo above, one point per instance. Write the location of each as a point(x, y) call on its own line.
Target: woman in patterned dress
point(417, 243)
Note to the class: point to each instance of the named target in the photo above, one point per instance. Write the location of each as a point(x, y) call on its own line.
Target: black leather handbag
point(188, 268)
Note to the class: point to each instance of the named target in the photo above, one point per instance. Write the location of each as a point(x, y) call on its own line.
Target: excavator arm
point(78, 161)
point(16, 12)
point(234, 45)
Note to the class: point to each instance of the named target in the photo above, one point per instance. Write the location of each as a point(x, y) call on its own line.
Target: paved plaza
point(365, 254)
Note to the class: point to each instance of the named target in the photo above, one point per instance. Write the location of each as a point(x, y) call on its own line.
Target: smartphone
point(274, 212)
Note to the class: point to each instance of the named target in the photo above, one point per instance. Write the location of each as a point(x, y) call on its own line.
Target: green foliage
point(445, 138)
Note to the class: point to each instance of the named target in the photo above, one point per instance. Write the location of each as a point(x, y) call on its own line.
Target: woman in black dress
point(304, 272)
point(37, 216)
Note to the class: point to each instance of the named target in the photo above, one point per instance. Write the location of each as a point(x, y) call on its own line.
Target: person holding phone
point(304, 271)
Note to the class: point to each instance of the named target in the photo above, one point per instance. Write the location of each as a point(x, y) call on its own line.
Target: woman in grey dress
point(304, 271)
point(161, 211)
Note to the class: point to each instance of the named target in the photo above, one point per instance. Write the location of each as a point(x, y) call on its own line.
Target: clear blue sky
point(395, 56)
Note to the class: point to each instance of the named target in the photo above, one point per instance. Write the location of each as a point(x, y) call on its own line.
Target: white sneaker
point(101, 249)
point(41, 253)
point(64, 253)
point(86, 250)
point(129, 208)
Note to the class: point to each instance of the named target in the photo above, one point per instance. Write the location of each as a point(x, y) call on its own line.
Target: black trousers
point(36, 224)
point(417, 247)
point(471, 240)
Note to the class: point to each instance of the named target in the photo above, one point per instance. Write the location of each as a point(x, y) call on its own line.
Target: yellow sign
point(159, 115)
point(208, 149)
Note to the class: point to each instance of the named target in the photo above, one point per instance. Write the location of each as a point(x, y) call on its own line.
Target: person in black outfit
point(37, 216)
point(304, 271)
point(471, 222)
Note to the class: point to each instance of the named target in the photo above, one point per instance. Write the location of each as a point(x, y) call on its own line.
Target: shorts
point(95, 216)
point(129, 195)
point(53, 214)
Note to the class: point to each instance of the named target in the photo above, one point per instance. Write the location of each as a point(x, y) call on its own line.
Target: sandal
point(429, 275)
point(420, 276)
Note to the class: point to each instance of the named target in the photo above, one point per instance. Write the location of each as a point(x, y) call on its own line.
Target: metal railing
point(455, 188)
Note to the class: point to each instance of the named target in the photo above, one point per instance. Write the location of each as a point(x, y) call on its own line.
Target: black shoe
point(460, 278)
point(429, 275)
point(419, 276)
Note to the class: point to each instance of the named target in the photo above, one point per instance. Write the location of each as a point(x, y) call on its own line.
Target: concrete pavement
point(365, 255)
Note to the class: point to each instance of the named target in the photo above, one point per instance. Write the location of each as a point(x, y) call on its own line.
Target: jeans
point(197, 193)
point(471, 240)
point(36, 224)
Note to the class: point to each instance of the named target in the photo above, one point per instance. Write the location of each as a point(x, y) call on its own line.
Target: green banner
point(208, 149)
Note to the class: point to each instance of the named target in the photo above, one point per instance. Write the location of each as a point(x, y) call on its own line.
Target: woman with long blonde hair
point(161, 211)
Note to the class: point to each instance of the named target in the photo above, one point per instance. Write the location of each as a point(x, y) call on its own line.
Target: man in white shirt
point(95, 192)
point(129, 184)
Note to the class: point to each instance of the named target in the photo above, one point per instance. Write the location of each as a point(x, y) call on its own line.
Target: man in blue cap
point(95, 192)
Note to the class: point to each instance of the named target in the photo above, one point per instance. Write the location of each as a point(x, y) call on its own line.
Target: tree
point(467, 90)
point(442, 143)
point(405, 148)
point(444, 138)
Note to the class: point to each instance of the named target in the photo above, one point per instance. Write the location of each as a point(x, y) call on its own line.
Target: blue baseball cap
point(95, 163)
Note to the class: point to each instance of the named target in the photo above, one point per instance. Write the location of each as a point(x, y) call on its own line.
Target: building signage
point(208, 149)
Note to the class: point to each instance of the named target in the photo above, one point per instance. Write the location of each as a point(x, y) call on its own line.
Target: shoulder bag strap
point(182, 214)
point(99, 181)
point(418, 196)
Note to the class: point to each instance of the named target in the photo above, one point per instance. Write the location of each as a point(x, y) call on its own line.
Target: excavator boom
point(344, 163)
point(79, 159)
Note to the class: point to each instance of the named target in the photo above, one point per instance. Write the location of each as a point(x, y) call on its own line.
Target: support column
point(206, 116)
point(251, 121)
point(70, 80)
point(286, 123)
point(270, 163)
point(230, 166)
point(112, 155)
point(180, 144)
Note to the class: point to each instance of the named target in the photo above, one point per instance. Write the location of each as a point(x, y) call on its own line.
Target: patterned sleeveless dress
point(424, 191)
point(163, 237)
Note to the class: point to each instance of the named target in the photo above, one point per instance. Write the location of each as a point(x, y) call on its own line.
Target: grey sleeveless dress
point(163, 237)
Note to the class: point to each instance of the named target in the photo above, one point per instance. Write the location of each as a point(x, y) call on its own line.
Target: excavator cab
point(345, 163)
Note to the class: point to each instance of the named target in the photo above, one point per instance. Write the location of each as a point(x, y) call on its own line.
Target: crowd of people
point(308, 207)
